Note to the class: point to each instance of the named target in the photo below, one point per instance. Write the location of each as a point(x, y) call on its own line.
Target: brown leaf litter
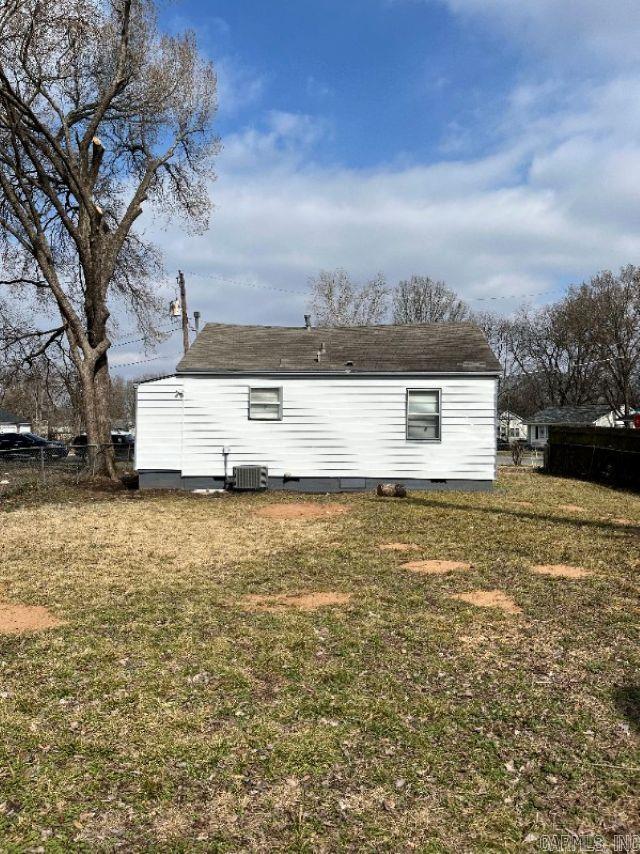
point(435, 567)
point(15, 619)
point(301, 510)
point(571, 508)
point(397, 547)
point(560, 570)
point(277, 602)
point(489, 599)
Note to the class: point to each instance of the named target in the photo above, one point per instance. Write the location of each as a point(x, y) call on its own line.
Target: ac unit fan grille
point(250, 477)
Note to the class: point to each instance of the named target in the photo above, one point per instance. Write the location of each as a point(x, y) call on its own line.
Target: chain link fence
point(21, 468)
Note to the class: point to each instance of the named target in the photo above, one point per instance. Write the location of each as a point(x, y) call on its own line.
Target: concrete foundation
point(175, 480)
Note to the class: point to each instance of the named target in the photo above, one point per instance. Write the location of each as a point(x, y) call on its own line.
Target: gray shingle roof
point(423, 348)
point(7, 417)
point(585, 414)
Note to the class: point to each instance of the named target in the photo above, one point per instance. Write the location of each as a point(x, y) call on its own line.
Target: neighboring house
point(511, 427)
point(592, 415)
point(633, 419)
point(325, 409)
point(10, 423)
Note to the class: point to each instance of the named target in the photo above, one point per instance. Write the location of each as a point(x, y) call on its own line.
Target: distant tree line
point(53, 404)
point(584, 348)
point(39, 382)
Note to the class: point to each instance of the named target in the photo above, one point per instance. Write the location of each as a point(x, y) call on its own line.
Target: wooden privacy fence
point(607, 454)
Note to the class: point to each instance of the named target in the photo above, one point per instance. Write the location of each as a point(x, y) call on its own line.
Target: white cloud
point(558, 201)
point(238, 86)
point(565, 28)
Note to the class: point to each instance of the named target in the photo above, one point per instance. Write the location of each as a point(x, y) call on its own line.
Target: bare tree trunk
point(95, 395)
point(627, 404)
point(102, 383)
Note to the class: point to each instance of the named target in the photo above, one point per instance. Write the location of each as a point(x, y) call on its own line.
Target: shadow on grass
point(523, 514)
point(627, 699)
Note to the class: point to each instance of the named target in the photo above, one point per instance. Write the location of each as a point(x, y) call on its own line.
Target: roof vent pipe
point(307, 321)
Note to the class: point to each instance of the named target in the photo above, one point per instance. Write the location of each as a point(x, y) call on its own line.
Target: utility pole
point(183, 306)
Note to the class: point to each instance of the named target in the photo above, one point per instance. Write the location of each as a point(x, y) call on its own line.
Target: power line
point(248, 284)
point(508, 296)
point(151, 359)
point(578, 366)
point(260, 286)
point(120, 343)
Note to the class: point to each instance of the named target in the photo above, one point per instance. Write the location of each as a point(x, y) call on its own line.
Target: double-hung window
point(423, 414)
point(265, 404)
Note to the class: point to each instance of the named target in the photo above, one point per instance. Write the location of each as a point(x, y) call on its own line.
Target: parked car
point(123, 444)
point(28, 446)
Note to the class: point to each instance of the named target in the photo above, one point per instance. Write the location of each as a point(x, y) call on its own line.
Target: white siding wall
point(351, 427)
point(159, 425)
point(24, 427)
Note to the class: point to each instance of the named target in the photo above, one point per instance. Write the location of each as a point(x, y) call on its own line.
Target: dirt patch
point(301, 510)
point(435, 567)
point(560, 570)
point(524, 504)
point(489, 599)
point(302, 602)
point(571, 508)
point(626, 523)
point(15, 619)
point(397, 547)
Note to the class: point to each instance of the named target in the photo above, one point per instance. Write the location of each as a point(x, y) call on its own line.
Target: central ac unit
point(250, 478)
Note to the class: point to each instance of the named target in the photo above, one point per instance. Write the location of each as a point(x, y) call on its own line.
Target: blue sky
point(392, 81)
point(492, 143)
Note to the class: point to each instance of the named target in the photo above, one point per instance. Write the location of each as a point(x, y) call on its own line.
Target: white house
point(324, 409)
point(588, 415)
point(511, 427)
point(10, 423)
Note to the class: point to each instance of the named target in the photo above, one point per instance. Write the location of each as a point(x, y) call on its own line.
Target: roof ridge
point(302, 328)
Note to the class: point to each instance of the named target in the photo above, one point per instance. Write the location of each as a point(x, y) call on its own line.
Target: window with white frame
point(265, 404)
point(423, 414)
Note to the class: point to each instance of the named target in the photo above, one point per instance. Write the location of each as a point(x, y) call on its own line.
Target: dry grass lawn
point(239, 674)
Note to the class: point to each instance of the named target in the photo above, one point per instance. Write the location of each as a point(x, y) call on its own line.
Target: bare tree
point(555, 351)
point(337, 301)
point(40, 391)
point(123, 401)
point(499, 332)
point(613, 306)
point(100, 114)
point(424, 300)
